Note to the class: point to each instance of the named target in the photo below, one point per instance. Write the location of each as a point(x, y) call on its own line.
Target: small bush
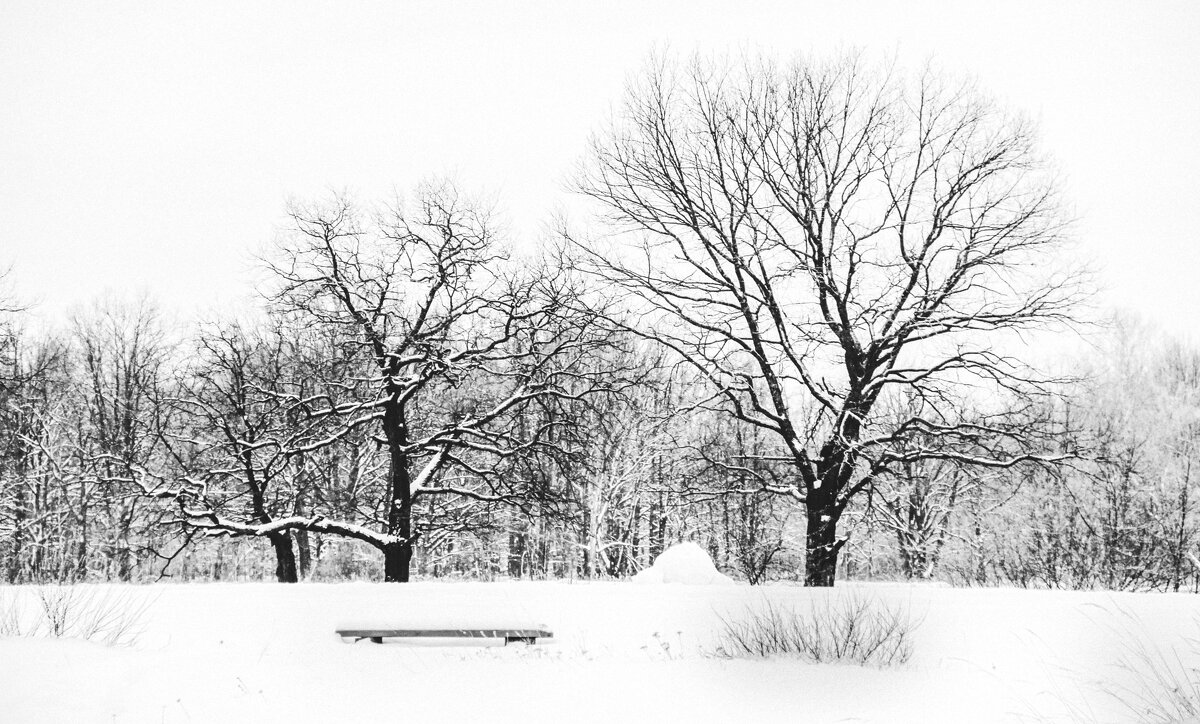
point(845, 629)
point(105, 616)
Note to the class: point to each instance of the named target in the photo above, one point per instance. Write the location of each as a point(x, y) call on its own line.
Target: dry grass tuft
point(835, 629)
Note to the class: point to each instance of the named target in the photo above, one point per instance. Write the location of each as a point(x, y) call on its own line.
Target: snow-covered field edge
point(621, 651)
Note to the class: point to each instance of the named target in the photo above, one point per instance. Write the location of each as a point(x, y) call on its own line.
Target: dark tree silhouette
point(815, 238)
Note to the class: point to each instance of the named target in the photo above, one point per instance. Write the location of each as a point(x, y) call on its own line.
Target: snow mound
point(683, 563)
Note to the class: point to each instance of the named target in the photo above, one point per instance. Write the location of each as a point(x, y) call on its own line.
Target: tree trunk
point(124, 555)
point(303, 545)
point(1181, 539)
point(516, 552)
point(13, 573)
point(635, 542)
point(912, 554)
point(822, 546)
point(81, 561)
point(396, 560)
point(657, 531)
point(304, 553)
point(398, 556)
point(823, 489)
point(285, 558)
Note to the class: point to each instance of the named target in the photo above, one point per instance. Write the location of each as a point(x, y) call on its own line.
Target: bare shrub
point(105, 616)
point(845, 629)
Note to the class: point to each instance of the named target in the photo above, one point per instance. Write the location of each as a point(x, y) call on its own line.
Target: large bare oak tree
point(815, 238)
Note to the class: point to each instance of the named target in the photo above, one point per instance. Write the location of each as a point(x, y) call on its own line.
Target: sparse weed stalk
point(105, 616)
point(1154, 684)
point(835, 629)
point(1165, 686)
point(664, 645)
point(12, 619)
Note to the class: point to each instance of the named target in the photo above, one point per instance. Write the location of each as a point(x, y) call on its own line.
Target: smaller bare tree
point(440, 344)
point(237, 430)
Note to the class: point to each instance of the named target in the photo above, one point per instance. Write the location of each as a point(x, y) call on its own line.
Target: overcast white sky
point(151, 146)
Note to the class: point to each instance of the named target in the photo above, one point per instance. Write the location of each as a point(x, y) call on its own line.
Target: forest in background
point(87, 411)
point(792, 360)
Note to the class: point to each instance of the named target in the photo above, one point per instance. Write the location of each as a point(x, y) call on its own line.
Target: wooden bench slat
point(510, 635)
point(445, 633)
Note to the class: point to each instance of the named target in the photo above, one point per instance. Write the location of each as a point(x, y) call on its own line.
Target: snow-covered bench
point(519, 635)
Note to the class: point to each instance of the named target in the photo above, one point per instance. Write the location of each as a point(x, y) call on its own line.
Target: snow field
point(268, 652)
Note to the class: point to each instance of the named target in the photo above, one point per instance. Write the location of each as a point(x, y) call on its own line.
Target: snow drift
point(683, 563)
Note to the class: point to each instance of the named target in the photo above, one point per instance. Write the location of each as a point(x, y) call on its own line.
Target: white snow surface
point(683, 563)
point(265, 652)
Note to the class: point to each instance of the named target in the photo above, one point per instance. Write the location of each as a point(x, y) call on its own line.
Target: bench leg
point(376, 639)
point(527, 640)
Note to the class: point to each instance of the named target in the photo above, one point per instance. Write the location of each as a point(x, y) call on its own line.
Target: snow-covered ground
point(622, 653)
